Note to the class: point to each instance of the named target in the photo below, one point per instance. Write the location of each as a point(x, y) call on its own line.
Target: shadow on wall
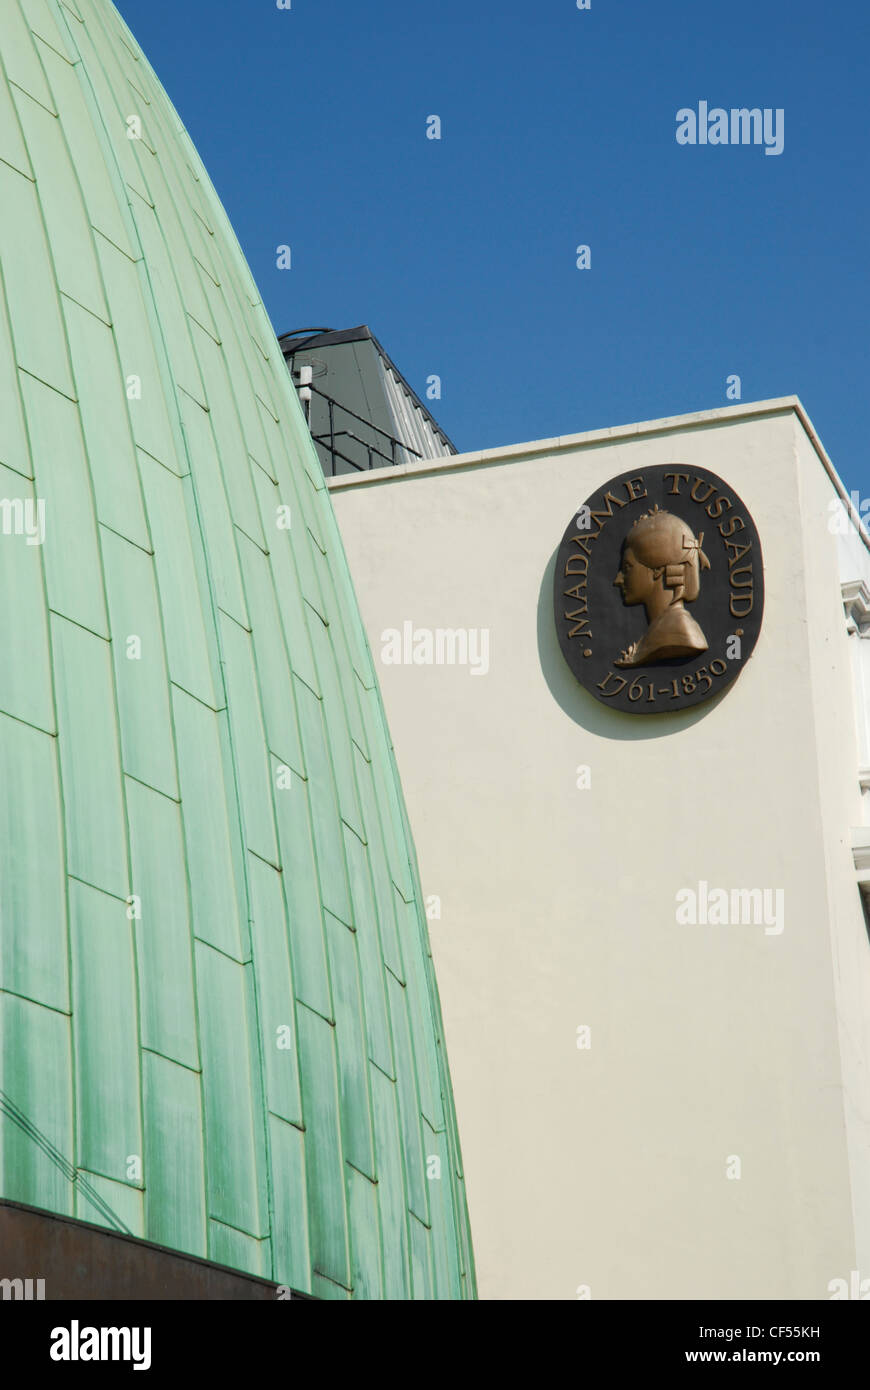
point(581, 707)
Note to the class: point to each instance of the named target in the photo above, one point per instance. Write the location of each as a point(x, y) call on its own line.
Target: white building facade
point(649, 1106)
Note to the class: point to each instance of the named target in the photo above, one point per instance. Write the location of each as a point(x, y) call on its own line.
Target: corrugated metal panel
point(184, 649)
point(412, 427)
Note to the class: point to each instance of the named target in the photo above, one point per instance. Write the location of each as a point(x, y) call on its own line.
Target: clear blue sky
point(558, 129)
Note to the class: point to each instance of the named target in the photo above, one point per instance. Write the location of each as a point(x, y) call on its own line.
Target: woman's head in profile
point(660, 556)
point(661, 568)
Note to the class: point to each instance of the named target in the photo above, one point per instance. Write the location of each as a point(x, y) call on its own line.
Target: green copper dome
point(219, 1026)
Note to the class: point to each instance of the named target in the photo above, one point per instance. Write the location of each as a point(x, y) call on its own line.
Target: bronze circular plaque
point(659, 589)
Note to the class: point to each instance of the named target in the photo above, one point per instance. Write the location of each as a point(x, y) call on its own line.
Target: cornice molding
point(856, 603)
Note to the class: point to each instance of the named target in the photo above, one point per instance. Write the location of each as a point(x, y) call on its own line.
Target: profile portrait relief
point(661, 567)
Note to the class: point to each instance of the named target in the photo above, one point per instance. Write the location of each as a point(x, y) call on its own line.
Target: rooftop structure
point(361, 410)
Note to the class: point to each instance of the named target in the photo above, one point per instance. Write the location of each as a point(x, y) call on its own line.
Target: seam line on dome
point(176, 1062)
point(40, 1003)
point(67, 397)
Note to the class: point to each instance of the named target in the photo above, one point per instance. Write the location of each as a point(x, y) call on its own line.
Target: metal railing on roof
point(327, 440)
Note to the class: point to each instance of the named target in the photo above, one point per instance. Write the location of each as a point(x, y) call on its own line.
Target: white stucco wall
point(607, 1166)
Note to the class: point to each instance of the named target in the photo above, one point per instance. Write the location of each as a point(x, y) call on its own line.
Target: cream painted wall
point(606, 1167)
point(841, 750)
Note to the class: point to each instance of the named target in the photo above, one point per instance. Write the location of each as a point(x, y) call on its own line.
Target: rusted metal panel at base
point(77, 1260)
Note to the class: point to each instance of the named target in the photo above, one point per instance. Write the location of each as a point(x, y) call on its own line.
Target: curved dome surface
point(219, 1026)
